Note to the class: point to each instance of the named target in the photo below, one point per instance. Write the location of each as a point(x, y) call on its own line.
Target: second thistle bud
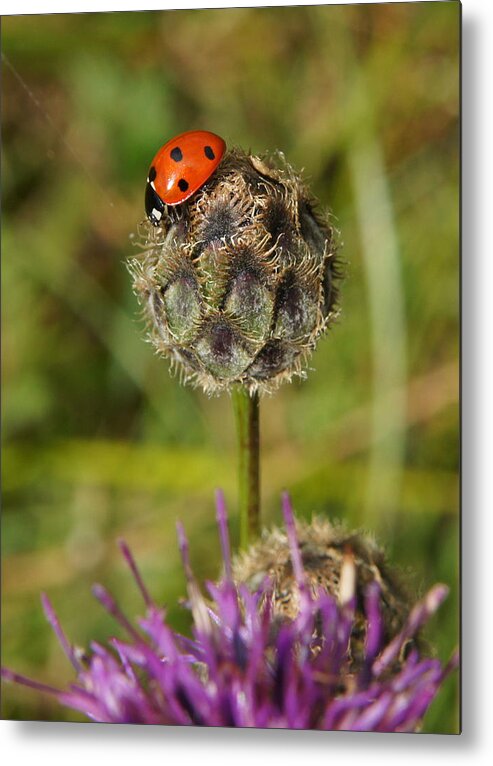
point(324, 549)
point(237, 283)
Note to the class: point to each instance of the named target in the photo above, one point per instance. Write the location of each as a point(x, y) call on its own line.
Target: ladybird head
point(154, 206)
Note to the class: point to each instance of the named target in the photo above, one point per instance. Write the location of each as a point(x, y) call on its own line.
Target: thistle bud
point(238, 282)
point(325, 551)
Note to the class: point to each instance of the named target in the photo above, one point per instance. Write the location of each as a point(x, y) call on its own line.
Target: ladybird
point(179, 169)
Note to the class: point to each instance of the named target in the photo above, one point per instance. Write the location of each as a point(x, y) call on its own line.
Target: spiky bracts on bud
point(238, 282)
point(244, 666)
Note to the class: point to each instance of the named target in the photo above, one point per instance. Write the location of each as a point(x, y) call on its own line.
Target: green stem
point(246, 407)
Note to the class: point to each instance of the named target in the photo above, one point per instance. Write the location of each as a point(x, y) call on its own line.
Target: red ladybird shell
point(184, 164)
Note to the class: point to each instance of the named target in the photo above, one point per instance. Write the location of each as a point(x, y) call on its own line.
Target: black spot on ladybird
point(152, 174)
point(209, 153)
point(176, 154)
point(182, 185)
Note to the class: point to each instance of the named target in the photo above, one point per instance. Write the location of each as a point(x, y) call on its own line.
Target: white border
point(9, 7)
point(76, 744)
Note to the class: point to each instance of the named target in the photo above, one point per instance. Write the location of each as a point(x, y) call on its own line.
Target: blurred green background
point(99, 441)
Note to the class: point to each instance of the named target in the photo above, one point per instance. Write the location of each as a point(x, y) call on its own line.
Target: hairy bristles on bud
point(238, 283)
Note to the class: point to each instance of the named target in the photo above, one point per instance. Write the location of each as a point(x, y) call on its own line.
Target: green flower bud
point(238, 282)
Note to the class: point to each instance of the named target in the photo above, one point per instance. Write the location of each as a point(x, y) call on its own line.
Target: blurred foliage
point(99, 440)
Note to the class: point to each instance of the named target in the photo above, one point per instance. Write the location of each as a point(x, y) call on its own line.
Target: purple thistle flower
point(246, 667)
